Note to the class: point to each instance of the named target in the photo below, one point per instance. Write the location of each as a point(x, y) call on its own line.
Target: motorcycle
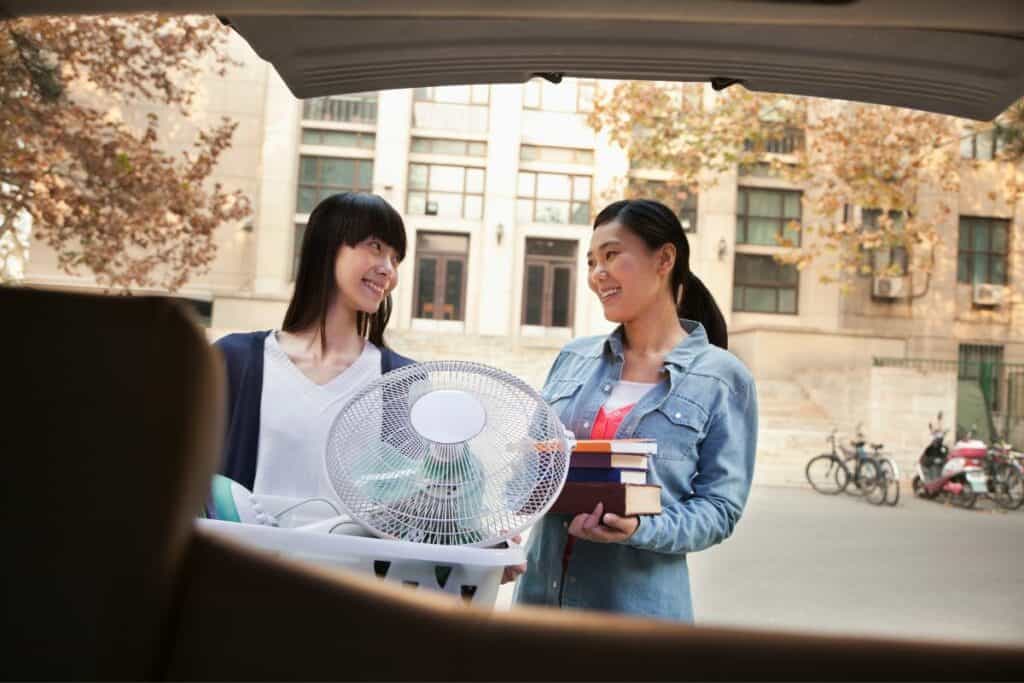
point(958, 474)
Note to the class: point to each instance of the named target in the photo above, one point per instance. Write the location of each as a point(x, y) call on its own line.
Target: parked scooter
point(958, 474)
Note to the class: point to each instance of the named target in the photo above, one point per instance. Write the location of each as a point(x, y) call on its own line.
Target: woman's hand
point(603, 528)
point(513, 572)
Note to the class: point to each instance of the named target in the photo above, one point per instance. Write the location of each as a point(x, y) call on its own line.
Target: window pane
point(762, 231)
point(527, 183)
point(998, 270)
point(338, 172)
point(560, 297)
point(442, 241)
point(452, 290)
point(581, 187)
point(447, 178)
point(474, 180)
point(427, 283)
point(418, 177)
point(422, 145)
point(448, 205)
point(763, 203)
point(999, 237)
point(791, 205)
point(967, 146)
point(528, 153)
point(365, 176)
point(307, 170)
point(417, 205)
point(478, 149)
point(581, 213)
point(985, 147)
point(474, 207)
point(311, 137)
point(340, 138)
point(558, 155)
point(551, 186)
point(542, 247)
point(980, 265)
point(551, 212)
point(306, 200)
point(979, 237)
point(585, 157)
point(534, 298)
point(457, 147)
point(787, 301)
point(524, 211)
point(737, 298)
point(760, 300)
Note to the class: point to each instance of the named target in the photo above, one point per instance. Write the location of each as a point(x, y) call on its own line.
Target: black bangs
point(362, 216)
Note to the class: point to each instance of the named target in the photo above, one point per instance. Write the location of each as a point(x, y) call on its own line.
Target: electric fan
point(448, 453)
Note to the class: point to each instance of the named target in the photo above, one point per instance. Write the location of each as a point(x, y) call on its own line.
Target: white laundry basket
point(471, 574)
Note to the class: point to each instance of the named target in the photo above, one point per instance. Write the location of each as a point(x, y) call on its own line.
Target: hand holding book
point(599, 527)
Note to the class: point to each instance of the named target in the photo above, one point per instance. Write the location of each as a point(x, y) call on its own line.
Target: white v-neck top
point(626, 393)
point(295, 416)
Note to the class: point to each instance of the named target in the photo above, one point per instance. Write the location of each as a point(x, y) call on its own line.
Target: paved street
point(807, 562)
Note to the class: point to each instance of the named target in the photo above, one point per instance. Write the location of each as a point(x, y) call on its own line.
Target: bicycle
point(828, 473)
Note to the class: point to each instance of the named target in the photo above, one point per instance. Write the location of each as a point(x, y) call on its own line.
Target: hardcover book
point(619, 499)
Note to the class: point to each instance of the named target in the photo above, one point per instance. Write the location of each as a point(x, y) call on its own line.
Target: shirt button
point(607, 387)
point(586, 424)
point(565, 525)
point(554, 584)
point(678, 415)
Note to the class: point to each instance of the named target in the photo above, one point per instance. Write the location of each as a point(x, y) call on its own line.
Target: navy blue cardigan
point(243, 355)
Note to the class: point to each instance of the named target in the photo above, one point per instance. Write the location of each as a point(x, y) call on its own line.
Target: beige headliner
point(949, 56)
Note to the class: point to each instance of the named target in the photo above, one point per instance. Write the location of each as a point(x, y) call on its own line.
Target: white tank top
point(626, 393)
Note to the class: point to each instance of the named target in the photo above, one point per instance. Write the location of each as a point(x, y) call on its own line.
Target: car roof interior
point(120, 427)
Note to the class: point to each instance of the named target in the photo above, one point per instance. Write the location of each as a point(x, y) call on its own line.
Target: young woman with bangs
point(286, 386)
point(663, 373)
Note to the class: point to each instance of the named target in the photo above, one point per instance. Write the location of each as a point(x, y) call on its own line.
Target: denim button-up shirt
point(704, 416)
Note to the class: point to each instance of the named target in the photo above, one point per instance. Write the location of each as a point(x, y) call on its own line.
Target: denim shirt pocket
point(679, 426)
point(559, 394)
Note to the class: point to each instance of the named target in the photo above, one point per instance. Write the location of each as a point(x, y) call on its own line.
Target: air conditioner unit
point(890, 287)
point(987, 294)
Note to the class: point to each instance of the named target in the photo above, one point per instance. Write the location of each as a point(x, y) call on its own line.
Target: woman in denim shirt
point(663, 373)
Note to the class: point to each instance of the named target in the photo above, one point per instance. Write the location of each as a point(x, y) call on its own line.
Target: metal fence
point(990, 394)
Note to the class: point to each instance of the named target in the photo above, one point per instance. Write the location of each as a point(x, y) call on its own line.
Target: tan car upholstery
point(109, 445)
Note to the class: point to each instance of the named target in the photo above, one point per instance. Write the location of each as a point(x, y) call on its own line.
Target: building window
point(553, 198)
point(885, 259)
point(549, 281)
point(321, 177)
point(557, 155)
point(983, 248)
point(668, 194)
point(338, 138)
point(440, 289)
point(447, 191)
point(764, 216)
point(763, 285)
point(459, 148)
point(354, 108)
point(984, 145)
point(570, 96)
point(454, 94)
point(789, 141)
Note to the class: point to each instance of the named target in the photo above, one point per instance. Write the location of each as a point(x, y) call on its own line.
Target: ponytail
point(656, 224)
point(699, 305)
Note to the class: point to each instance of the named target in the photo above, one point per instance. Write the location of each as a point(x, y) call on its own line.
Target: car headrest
point(112, 429)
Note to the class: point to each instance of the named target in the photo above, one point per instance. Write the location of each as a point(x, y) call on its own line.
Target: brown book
point(619, 499)
point(624, 446)
point(622, 461)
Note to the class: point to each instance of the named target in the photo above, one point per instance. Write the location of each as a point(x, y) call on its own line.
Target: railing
point(341, 109)
point(790, 141)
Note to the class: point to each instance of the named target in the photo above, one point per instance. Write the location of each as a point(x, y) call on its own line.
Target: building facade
point(498, 186)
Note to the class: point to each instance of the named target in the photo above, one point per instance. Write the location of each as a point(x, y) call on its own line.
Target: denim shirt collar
point(695, 342)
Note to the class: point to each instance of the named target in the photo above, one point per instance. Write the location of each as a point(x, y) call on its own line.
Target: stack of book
point(613, 472)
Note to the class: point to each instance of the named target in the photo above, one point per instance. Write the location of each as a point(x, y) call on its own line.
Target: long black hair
point(656, 224)
point(345, 218)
